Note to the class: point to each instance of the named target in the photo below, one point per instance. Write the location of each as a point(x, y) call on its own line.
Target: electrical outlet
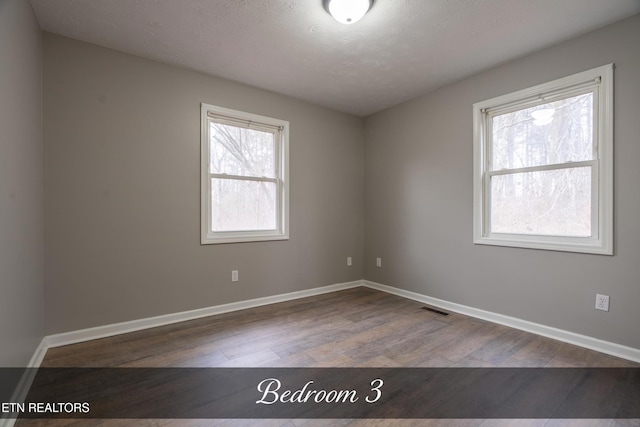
point(602, 302)
point(234, 275)
point(378, 262)
point(349, 261)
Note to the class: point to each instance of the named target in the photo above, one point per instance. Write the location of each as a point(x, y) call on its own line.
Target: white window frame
point(599, 81)
point(280, 128)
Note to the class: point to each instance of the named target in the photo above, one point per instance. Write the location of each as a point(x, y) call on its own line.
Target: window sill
point(214, 240)
point(588, 246)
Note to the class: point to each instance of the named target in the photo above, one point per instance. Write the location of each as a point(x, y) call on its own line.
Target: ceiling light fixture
point(347, 11)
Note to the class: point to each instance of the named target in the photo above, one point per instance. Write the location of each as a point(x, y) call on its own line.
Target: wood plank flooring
point(359, 327)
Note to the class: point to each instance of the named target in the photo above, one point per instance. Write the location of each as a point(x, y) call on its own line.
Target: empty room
point(319, 212)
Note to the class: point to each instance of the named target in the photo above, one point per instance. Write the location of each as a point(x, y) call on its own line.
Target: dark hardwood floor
point(353, 328)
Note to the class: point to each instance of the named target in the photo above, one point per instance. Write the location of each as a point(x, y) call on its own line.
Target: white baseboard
point(82, 335)
point(73, 337)
point(22, 389)
point(585, 341)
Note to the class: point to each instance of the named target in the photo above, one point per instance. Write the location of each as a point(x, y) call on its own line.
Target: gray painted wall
point(122, 195)
point(418, 200)
point(21, 187)
point(122, 169)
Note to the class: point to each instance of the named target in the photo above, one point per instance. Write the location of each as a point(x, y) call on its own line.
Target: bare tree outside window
point(543, 165)
point(239, 202)
point(244, 176)
point(556, 201)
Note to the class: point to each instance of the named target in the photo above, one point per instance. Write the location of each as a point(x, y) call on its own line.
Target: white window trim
point(282, 179)
point(601, 242)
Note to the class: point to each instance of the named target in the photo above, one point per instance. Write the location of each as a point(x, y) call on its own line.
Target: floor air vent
point(443, 313)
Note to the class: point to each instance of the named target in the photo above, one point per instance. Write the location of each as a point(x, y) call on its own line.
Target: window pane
point(239, 205)
point(240, 151)
point(552, 133)
point(555, 202)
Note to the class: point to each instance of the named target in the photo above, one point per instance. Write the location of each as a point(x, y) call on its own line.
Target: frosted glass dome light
point(347, 11)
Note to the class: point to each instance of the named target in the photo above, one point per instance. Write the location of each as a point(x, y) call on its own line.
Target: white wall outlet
point(602, 302)
point(349, 261)
point(234, 275)
point(378, 262)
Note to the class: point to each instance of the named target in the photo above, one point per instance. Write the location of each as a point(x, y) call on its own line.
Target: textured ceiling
point(400, 49)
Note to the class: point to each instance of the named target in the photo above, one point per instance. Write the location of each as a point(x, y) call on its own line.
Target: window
point(244, 173)
point(543, 166)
